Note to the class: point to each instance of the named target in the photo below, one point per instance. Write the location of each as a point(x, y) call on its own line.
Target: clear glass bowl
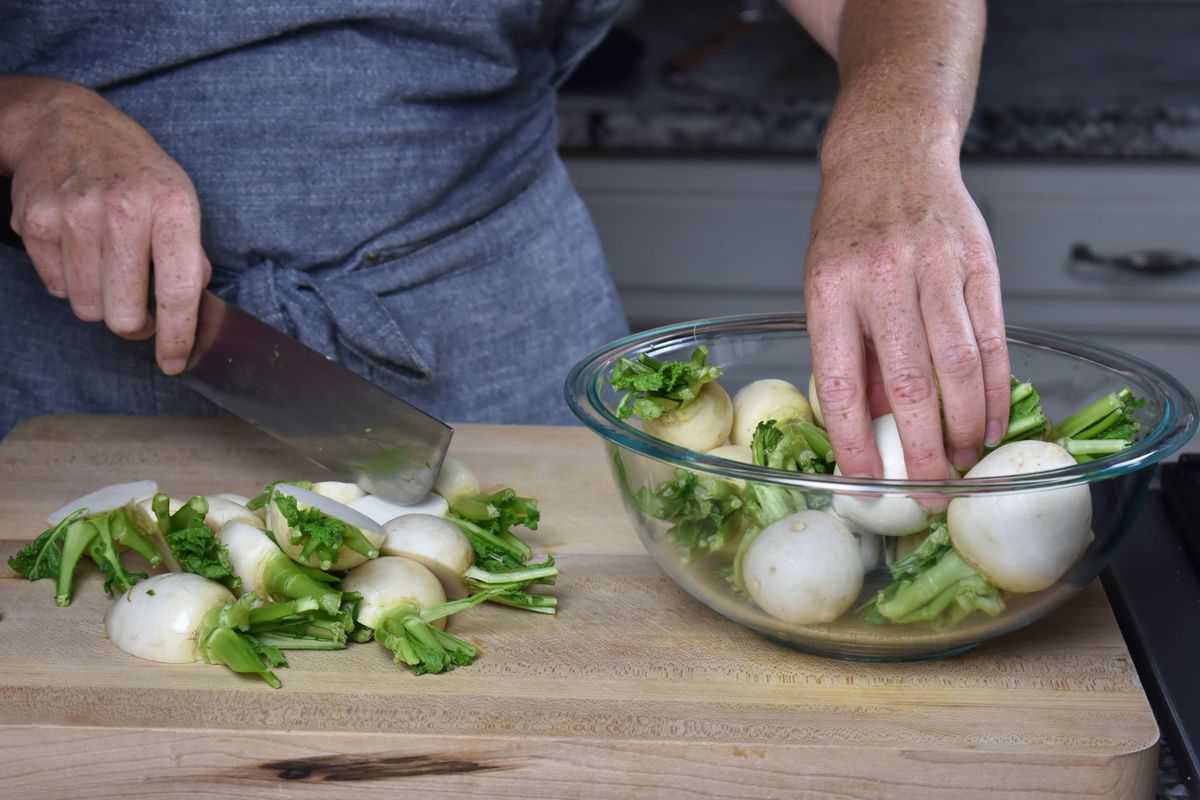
point(1067, 373)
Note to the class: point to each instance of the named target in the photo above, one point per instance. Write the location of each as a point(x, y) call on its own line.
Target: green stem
point(228, 647)
point(285, 578)
point(358, 542)
point(286, 642)
point(79, 535)
point(476, 509)
point(127, 535)
point(272, 612)
point(1092, 413)
point(1019, 392)
point(1094, 431)
point(1094, 447)
point(541, 603)
point(1019, 427)
point(191, 515)
point(475, 532)
point(530, 573)
point(923, 588)
point(120, 578)
point(161, 506)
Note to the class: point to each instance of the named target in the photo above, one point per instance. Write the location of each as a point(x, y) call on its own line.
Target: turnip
point(342, 492)
point(678, 401)
point(734, 452)
point(267, 571)
point(455, 480)
point(762, 400)
point(441, 546)
point(107, 499)
point(889, 515)
point(181, 618)
point(98, 525)
point(1022, 542)
point(320, 532)
point(234, 497)
point(222, 511)
point(804, 569)
point(702, 424)
point(405, 605)
point(870, 547)
point(384, 511)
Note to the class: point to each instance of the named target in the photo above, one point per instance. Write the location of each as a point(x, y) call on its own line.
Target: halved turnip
point(107, 499)
point(265, 570)
point(222, 511)
point(887, 515)
point(766, 399)
point(384, 511)
point(434, 542)
point(342, 492)
point(233, 497)
point(455, 480)
point(1022, 542)
point(806, 568)
point(328, 535)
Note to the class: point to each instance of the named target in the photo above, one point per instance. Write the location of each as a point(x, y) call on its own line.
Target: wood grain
point(634, 690)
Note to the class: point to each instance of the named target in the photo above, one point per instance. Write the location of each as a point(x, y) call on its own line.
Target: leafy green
point(488, 519)
point(42, 558)
point(934, 585)
point(198, 551)
point(262, 498)
point(795, 445)
point(320, 534)
point(409, 633)
point(653, 388)
point(703, 511)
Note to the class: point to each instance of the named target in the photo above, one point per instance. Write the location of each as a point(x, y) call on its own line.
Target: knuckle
point(39, 219)
point(960, 361)
point(992, 347)
point(910, 387)
point(885, 265)
point(838, 393)
point(82, 212)
point(122, 201)
point(825, 282)
point(177, 201)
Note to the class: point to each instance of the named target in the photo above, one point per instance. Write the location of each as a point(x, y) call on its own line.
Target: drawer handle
point(1140, 262)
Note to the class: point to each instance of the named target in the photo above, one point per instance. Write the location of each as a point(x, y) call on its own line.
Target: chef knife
point(329, 414)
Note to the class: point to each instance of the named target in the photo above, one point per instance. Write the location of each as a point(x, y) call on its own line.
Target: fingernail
point(173, 366)
point(995, 432)
point(963, 459)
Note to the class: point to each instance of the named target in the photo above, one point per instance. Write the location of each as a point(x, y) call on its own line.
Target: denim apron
point(378, 179)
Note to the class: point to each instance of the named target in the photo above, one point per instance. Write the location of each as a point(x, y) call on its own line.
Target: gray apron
point(379, 179)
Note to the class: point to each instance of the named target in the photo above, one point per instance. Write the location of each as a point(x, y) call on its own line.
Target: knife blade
point(332, 416)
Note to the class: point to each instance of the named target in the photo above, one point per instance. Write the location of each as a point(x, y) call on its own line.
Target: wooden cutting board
point(634, 690)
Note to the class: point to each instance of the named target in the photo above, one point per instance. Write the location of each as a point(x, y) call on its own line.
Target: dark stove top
point(1153, 584)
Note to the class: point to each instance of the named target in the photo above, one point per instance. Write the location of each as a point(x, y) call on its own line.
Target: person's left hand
point(903, 298)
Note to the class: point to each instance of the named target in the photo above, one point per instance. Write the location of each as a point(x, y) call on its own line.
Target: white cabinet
point(692, 238)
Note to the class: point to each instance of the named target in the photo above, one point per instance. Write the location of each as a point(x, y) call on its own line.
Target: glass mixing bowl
point(1067, 374)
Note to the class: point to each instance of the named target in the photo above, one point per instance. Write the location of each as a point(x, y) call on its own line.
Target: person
point(380, 179)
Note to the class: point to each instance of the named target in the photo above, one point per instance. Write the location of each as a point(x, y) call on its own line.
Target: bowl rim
point(1175, 428)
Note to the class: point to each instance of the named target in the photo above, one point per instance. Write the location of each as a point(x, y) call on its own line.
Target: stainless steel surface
point(331, 415)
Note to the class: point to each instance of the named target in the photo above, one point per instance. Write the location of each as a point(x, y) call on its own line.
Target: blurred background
point(692, 130)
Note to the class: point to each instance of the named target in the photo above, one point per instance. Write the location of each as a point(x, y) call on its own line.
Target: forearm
point(908, 72)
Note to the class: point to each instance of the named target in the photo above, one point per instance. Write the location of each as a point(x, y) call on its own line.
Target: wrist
point(910, 140)
point(24, 103)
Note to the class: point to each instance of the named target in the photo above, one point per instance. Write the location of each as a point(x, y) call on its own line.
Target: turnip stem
point(1094, 447)
point(285, 642)
point(277, 611)
point(79, 535)
point(356, 541)
point(125, 534)
point(531, 573)
point(540, 603)
point(1093, 413)
point(228, 647)
point(284, 578)
point(923, 588)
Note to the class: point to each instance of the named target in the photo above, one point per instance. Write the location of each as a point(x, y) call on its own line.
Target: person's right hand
point(96, 202)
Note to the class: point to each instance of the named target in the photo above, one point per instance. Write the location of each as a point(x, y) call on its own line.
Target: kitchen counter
point(1074, 80)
